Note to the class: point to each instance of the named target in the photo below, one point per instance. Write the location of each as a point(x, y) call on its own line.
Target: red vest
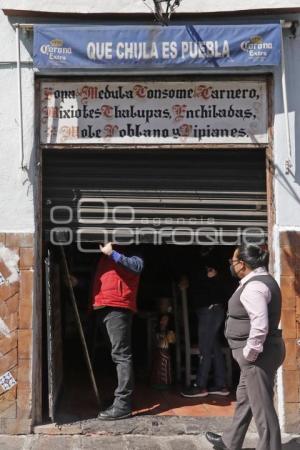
point(114, 285)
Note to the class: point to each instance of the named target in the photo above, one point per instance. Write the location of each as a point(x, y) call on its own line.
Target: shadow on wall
point(283, 179)
point(290, 252)
point(290, 259)
point(297, 154)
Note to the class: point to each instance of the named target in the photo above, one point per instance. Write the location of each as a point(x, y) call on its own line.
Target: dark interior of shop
point(159, 294)
point(226, 189)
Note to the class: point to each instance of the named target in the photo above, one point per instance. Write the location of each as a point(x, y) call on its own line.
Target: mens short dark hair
point(254, 255)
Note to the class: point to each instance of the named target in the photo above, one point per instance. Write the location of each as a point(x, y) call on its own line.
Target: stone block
point(289, 238)
point(8, 343)
point(26, 296)
point(24, 403)
point(25, 344)
point(26, 258)
point(12, 442)
point(287, 261)
point(12, 304)
point(24, 373)
point(19, 240)
point(8, 361)
point(291, 380)
point(292, 415)
point(15, 426)
point(12, 321)
point(54, 443)
point(290, 362)
point(8, 290)
point(288, 322)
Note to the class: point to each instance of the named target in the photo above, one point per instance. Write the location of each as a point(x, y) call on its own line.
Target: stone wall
point(16, 294)
point(290, 286)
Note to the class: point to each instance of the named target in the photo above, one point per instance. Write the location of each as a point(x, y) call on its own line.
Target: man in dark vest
point(253, 335)
point(114, 297)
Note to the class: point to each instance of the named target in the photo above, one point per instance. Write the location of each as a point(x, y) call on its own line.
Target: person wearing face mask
point(256, 341)
point(210, 315)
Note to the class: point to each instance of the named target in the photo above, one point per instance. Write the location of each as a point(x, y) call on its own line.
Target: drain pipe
point(19, 74)
point(288, 163)
point(279, 380)
point(276, 231)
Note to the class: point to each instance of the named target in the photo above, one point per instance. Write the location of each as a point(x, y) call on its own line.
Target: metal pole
point(81, 333)
point(286, 24)
point(288, 163)
point(21, 135)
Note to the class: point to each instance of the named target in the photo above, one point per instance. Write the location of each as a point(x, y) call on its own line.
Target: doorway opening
point(214, 195)
point(159, 295)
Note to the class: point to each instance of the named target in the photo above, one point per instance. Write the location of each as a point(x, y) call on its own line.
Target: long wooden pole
point(78, 321)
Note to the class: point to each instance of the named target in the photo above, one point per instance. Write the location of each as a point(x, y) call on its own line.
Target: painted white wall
point(8, 40)
point(287, 187)
point(138, 6)
point(16, 193)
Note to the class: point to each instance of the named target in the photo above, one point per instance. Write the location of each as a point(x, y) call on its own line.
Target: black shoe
point(219, 391)
point(216, 440)
point(194, 391)
point(114, 413)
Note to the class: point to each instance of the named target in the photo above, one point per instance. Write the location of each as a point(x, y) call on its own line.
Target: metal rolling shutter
point(179, 190)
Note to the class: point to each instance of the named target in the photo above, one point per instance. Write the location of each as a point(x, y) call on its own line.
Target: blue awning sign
point(148, 47)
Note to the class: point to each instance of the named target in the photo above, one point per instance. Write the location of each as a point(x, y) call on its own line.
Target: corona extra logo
point(55, 50)
point(256, 40)
point(257, 47)
point(57, 43)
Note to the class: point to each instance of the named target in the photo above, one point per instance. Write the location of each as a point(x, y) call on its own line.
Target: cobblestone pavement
point(124, 442)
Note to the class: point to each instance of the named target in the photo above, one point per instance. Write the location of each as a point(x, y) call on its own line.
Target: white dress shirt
point(255, 298)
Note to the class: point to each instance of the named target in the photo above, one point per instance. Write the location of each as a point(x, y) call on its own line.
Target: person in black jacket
point(212, 296)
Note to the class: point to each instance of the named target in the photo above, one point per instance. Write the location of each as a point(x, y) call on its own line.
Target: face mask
point(233, 272)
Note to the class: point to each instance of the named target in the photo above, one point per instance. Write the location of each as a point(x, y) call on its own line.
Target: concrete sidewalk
point(124, 442)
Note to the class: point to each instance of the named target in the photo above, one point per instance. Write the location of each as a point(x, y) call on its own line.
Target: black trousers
point(118, 323)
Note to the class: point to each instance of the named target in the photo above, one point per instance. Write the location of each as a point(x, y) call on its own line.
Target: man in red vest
point(114, 296)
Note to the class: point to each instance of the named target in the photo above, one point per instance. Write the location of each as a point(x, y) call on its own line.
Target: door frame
point(38, 297)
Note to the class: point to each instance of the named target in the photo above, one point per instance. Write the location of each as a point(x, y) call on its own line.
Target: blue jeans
point(209, 324)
